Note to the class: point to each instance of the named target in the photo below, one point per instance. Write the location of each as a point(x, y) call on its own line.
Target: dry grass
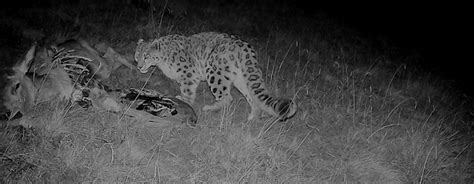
point(363, 116)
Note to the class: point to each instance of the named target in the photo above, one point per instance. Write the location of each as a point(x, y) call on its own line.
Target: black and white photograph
point(236, 91)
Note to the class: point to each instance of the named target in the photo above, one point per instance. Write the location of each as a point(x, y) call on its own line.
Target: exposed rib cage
point(84, 80)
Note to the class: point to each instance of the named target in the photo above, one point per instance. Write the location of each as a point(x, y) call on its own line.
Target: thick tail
point(280, 107)
point(284, 109)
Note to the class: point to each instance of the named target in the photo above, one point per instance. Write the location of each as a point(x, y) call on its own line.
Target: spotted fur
point(219, 59)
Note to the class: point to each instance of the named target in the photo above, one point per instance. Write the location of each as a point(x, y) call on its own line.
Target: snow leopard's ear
point(155, 45)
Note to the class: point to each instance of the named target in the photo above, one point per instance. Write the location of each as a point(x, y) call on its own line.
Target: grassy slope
point(366, 114)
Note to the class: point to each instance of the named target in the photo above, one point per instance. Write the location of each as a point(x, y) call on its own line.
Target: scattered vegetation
point(367, 112)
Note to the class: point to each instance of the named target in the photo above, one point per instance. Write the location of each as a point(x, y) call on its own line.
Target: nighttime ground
point(382, 96)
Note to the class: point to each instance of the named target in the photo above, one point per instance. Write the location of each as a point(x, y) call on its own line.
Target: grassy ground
point(367, 112)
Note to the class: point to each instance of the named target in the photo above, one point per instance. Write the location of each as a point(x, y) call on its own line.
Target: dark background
point(439, 31)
